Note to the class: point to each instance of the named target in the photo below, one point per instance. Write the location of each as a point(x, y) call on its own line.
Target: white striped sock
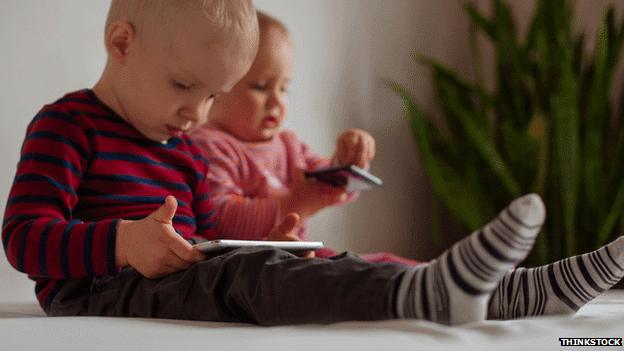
point(558, 288)
point(455, 287)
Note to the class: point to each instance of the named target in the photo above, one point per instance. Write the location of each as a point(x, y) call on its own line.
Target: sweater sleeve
point(312, 160)
point(236, 216)
point(204, 211)
point(39, 234)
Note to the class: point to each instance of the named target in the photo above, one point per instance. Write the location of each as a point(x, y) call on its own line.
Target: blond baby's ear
point(118, 40)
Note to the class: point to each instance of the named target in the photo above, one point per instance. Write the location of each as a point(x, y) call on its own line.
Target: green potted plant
point(548, 127)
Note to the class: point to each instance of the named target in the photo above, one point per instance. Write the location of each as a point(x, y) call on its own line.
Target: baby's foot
point(558, 288)
point(455, 287)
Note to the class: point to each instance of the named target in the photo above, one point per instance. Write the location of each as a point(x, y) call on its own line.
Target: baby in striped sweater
point(256, 169)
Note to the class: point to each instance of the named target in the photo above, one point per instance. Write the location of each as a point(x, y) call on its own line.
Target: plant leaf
point(480, 141)
point(446, 183)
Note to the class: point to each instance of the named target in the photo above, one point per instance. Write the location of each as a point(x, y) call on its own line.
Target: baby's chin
point(251, 136)
point(264, 135)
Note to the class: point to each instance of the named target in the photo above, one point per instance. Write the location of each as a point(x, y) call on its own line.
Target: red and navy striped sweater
point(82, 169)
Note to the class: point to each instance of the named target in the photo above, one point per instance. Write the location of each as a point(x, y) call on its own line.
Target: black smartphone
point(352, 177)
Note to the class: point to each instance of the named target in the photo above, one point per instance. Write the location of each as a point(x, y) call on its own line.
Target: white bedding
point(23, 327)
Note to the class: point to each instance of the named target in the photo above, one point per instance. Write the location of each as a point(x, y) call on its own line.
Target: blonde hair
point(154, 18)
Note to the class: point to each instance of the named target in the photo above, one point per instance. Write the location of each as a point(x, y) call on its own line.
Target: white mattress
point(23, 327)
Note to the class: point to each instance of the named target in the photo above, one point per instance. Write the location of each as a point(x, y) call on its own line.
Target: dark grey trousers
point(253, 285)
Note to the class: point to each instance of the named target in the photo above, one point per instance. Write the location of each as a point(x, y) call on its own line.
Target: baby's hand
point(287, 231)
point(307, 196)
point(355, 147)
point(152, 246)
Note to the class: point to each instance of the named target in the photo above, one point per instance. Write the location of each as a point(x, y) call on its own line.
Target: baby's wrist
point(120, 244)
point(290, 204)
point(285, 206)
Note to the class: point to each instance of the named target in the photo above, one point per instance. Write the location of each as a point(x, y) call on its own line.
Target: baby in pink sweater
point(257, 169)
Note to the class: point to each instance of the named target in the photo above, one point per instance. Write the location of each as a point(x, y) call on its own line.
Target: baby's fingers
point(299, 179)
point(346, 150)
point(369, 150)
point(307, 254)
point(360, 153)
point(334, 196)
point(185, 251)
point(167, 264)
point(286, 229)
point(177, 262)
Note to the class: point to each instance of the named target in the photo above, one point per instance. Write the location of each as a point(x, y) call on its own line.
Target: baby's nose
point(274, 101)
point(195, 112)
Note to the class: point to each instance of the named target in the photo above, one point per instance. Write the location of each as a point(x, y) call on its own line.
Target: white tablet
point(291, 246)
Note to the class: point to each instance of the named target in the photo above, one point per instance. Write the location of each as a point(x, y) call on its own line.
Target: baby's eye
point(259, 86)
point(284, 89)
point(181, 86)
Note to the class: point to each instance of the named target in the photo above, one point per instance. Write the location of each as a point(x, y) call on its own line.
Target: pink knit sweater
point(246, 177)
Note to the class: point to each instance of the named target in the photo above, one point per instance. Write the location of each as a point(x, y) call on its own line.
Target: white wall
point(344, 49)
point(48, 48)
